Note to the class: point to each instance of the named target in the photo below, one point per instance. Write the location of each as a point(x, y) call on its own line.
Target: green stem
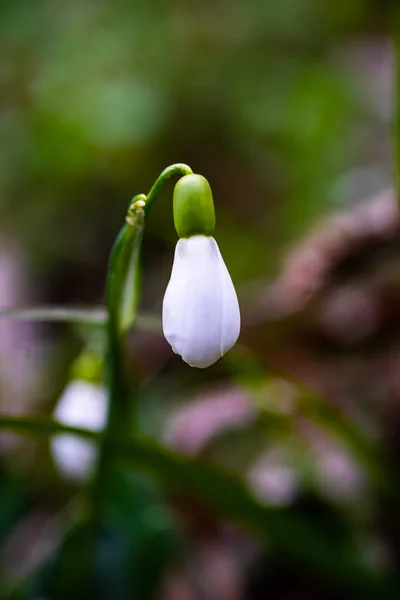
point(96, 317)
point(123, 291)
point(81, 316)
point(177, 169)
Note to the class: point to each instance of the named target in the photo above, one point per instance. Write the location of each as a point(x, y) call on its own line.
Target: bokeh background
point(286, 107)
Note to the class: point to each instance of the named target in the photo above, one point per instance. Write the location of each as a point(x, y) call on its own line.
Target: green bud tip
point(193, 207)
point(136, 209)
point(87, 366)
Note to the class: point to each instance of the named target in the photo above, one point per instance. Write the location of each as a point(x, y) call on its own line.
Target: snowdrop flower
point(201, 317)
point(82, 404)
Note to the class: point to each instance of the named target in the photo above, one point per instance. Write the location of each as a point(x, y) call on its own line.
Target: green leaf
point(292, 534)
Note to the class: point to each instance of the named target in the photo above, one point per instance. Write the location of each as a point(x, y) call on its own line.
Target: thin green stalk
point(177, 169)
point(81, 316)
point(96, 317)
point(122, 306)
point(123, 290)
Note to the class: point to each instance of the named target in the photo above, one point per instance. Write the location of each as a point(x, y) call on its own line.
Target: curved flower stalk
point(201, 316)
point(123, 295)
point(82, 404)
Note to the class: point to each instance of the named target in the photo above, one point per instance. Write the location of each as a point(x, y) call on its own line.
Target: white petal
point(201, 318)
point(82, 404)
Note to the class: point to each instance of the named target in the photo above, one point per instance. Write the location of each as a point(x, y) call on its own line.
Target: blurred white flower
point(82, 404)
point(338, 475)
point(201, 318)
point(273, 479)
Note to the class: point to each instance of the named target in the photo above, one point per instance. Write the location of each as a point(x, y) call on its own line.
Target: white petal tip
point(201, 365)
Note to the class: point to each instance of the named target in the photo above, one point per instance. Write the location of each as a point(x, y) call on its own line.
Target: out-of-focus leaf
point(125, 555)
point(12, 498)
point(293, 535)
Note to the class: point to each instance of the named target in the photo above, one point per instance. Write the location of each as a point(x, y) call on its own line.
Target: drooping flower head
point(201, 317)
